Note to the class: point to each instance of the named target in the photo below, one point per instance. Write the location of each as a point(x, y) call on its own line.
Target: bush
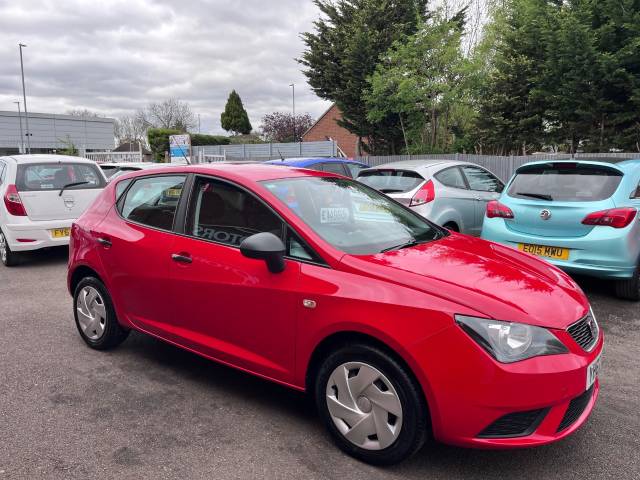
point(159, 141)
point(198, 139)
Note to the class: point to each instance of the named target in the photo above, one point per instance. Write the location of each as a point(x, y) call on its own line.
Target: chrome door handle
point(181, 258)
point(104, 241)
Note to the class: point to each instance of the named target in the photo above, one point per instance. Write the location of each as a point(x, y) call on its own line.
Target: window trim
point(123, 196)
point(462, 175)
point(285, 225)
point(462, 167)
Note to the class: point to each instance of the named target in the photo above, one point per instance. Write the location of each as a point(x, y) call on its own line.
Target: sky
point(113, 57)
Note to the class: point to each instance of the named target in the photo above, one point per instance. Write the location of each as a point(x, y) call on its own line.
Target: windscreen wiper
point(74, 184)
point(390, 190)
point(541, 196)
point(411, 243)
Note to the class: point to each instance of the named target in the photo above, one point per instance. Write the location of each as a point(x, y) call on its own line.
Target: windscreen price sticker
point(334, 215)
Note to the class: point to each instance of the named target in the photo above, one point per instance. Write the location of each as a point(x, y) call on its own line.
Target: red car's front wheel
point(371, 405)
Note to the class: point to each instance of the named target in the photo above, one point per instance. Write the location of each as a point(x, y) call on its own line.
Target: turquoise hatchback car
point(582, 216)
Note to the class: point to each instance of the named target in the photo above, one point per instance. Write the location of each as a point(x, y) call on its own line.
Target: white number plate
point(592, 371)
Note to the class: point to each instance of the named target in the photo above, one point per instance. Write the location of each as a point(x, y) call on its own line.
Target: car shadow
point(44, 257)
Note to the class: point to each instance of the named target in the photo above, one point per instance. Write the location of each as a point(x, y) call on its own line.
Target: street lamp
point(293, 93)
point(24, 98)
point(20, 120)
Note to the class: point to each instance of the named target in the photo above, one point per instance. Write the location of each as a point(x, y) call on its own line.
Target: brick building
point(327, 128)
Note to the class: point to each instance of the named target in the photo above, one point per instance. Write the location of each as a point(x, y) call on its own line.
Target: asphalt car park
point(150, 410)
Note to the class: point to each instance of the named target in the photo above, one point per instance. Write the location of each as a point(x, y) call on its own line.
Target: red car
point(400, 329)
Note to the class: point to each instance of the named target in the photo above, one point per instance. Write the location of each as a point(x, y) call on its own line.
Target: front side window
point(351, 217)
point(355, 169)
point(482, 181)
point(153, 201)
point(223, 213)
point(55, 176)
point(566, 182)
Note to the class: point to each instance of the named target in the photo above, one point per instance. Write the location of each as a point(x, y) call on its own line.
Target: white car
point(115, 169)
point(42, 195)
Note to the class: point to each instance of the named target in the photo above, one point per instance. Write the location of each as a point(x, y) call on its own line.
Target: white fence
point(503, 167)
point(267, 151)
point(105, 157)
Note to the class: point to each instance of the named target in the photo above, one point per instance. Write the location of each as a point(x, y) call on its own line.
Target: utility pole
point(293, 94)
point(24, 98)
point(198, 123)
point(21, 133)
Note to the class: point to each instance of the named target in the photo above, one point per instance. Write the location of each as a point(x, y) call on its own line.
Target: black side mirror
point(265, 246)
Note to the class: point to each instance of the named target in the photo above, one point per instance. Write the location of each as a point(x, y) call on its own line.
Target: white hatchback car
point(42, 195)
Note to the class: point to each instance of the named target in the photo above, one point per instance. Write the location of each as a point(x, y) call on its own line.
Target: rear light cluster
point(495, 209)
point(13, 202)
point(426, 194)
point(614, 217)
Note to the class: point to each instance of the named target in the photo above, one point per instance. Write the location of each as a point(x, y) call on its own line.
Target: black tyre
point(95, 317)
point(629, 289)
point(8, 258)
point(372, 406)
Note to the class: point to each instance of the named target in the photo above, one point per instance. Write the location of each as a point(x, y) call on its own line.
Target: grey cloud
point(116, 56)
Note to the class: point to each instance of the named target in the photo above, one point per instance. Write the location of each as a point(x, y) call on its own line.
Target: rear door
point(485, 187)
point(453, 193)
point(58, 191)
point(551, 200)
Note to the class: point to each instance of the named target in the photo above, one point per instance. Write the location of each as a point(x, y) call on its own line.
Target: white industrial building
point(51, 132)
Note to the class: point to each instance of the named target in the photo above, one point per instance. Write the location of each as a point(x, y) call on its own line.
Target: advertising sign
point(180, 148)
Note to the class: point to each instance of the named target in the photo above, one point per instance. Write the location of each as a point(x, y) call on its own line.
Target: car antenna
point(281, 156)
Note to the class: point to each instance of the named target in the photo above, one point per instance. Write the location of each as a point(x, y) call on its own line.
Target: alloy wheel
point(364, 406)
point(3, 248)
point(92, 314)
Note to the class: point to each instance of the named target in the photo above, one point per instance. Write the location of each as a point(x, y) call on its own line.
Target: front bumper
point(603, 253)
point(473, 390)
point(39, 234)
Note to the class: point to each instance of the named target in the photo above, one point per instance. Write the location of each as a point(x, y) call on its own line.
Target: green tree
point(234, 118)
point(158, 139)
point(343, 52)
point(421, 81)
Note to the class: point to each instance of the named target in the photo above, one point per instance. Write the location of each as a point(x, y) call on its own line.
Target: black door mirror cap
point(265, 246)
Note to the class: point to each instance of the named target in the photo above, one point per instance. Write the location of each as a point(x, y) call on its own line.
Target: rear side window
point(333, 167)
point(565, 183)
point(54, 176)
point(153, 201)
point(391, 181)
point(451, 177)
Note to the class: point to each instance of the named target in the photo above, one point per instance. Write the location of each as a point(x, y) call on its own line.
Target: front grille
point(575, 409)
point(585, 332)
point(518, 424)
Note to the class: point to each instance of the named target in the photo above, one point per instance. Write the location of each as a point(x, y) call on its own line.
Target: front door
point(225, 305)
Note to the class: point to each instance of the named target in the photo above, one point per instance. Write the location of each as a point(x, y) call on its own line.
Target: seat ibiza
point(399, 329)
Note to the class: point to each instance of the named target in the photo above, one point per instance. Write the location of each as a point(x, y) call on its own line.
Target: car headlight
point(510, 342)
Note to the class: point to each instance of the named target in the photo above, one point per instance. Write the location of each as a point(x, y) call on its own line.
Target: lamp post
point(21, 134)
point(24, 98)
point(293, 101)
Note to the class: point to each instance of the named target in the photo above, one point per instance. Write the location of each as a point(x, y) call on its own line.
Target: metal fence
point(103, 157)
point(501, 166)
point(269, 151)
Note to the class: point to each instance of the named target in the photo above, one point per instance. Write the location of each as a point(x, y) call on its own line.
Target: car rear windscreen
point(390, 180)
point(565, 182)
point(54, 176)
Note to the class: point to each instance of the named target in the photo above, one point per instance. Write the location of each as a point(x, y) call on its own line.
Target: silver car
point(449, 193)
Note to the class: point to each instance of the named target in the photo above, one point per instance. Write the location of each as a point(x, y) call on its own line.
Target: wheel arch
point(80, 272)
point(338, 339)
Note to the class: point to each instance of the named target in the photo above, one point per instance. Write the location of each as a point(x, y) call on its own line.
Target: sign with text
point(180, 148)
